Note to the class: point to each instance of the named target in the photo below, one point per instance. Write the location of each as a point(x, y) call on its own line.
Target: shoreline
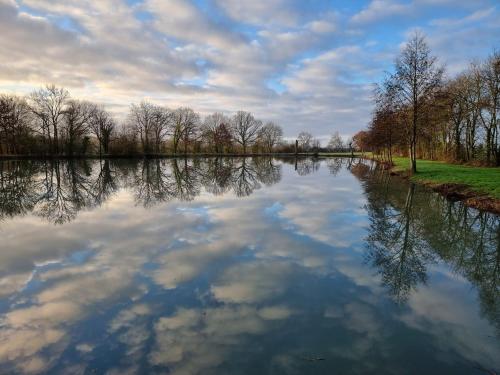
point(177, 156)
point(453, 191)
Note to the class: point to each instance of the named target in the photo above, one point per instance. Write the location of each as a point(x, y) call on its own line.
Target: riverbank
point(189, 155)
point(477, 187)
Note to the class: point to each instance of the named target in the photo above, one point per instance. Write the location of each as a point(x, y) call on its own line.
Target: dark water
point(232, 266)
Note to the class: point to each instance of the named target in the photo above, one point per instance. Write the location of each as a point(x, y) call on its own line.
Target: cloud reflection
point(159, 278)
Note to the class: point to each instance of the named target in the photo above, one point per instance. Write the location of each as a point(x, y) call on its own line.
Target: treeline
point(48, 122)
point(422, 114)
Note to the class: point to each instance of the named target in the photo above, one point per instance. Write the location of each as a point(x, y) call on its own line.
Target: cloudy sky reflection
point(263, 283)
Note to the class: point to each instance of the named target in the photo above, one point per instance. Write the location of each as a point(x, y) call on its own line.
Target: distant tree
point(245, 129)
point(102, 126)
point(304, 139)
point(49, 105)
point(15, 129)
point(217, 132)
point(360, 141)
point(270, 135)
point(141, 117)
point(490, 118)
point(125, 140)
point(183, 126)
point(161, 126)
point(336, 143)
point(315, 144)
point(76, 123)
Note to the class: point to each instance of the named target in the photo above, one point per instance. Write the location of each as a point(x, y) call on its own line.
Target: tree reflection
point(152, 182)
point(216, 175)
point(187, 182)
point(396, 248)
point(18, 188)
point(268, 172)
point(411, 228)
point(334, 165)
point(66, 191)
point(306, 166)
point(57, 190)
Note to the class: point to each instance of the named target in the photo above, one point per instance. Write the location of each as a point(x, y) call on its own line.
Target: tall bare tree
point(270, 135)
point(304, 139)
point(141, 118)
point(417, 77)
point(491, 116)
point(162, 123)
point(49, 105)
point(336, 143)
point(216, 130)
point(76, 123)
point(14, 124)
point(102, 126)
point(183, 127)
point(245, 129)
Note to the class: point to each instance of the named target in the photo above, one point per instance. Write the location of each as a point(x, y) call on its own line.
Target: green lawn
point(481, 180)
point(343, 154)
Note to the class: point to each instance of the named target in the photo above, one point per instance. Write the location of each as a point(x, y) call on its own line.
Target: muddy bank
point(463, 193)
point(454, 192)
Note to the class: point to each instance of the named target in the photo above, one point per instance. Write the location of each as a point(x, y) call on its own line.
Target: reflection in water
point(58, 190)
point(411, 229)
point(241, 266)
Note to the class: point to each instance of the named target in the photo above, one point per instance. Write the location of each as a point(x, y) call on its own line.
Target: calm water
point(232, 266)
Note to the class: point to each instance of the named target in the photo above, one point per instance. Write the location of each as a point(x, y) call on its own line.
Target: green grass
point(343, 154)
point(478, 179)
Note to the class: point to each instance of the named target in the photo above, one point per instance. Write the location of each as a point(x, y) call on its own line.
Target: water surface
point(241, 266)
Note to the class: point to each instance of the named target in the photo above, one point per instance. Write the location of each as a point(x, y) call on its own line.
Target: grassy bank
point(467, 180)
point(342, 154)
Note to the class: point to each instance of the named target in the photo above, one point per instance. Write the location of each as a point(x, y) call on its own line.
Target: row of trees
point(50, 122)
point(422, 114)
point(158, 126)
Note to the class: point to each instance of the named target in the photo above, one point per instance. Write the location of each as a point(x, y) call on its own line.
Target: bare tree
point(183, 126)
point(336, 143)
point(474, 103)
point(458, 111)
point(217, 132)
point(49, 105)
point(305, 140)
point(162, 123)
point(14, 124)
point(141, 118)
point(76, 123)
point(315, 144)
point(102, 126)
point(245, 129)
point(416, 79)
point(270, 135)
point(491, 117)
point(190, 129)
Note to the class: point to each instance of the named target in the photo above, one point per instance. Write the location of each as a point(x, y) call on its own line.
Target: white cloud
point(306, 66)
point(380, 9)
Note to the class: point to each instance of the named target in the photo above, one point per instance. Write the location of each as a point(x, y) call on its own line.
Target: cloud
point(280, 12)
point(307, 66)
point(380, 9)
point(195, 341)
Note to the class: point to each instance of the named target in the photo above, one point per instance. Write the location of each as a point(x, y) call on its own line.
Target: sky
point(308, 65)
